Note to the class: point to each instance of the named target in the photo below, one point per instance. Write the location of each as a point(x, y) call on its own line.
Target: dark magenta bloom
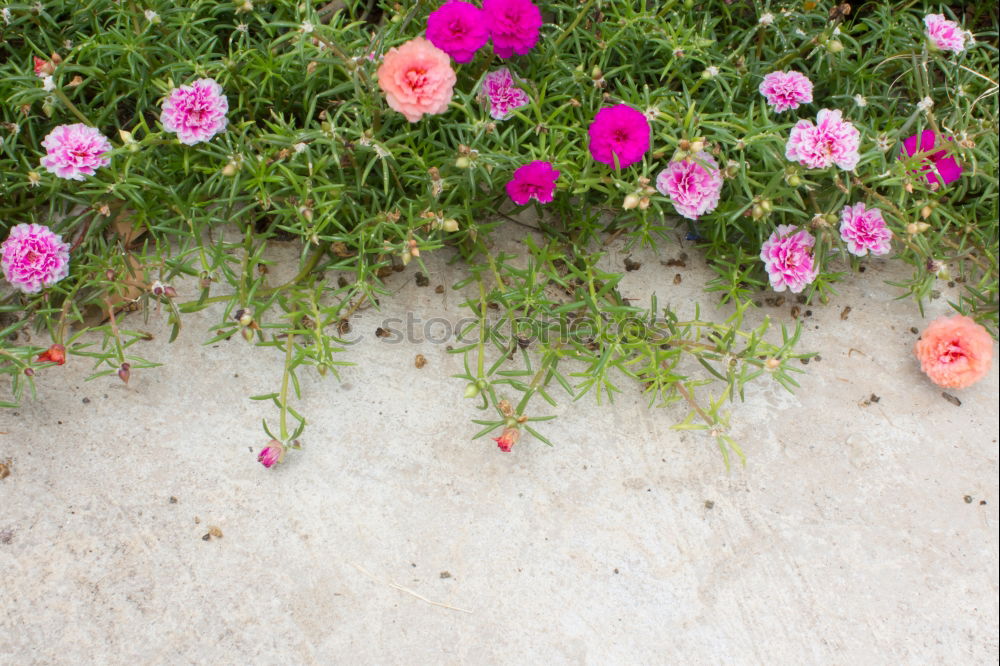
point(513, 25)
point(619, 131)
point(938, 167)
point(459, 29)
point(533, 180)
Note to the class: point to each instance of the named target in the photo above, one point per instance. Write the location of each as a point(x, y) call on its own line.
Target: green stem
point(72, 107)
point(572, 26)
point(289, 346)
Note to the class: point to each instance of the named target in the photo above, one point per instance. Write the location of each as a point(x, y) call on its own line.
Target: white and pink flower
point(33, 257)
point(864, 230)
point(75, 151)
point(944, 34)
point(498, 90)
point(832, 140)
point(196, 112)
point(788, 259)
point(786, 90)
point(693, 185)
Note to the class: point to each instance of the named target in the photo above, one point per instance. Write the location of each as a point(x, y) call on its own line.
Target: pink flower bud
point(124, 372)
point(507, 439)
point(271, 454)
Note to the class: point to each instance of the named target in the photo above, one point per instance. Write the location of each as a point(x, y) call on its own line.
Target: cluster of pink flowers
point(498, 90)
point(693, 185)
point(944, 34)
point(75, 151)
point(33, 257)
point(786, 90)
point(864, 230)
point(460, 28)
point(955, 352)
point(619, 134)
point(788, 259)
point(534, 180)
point(832, 140)
point(196, 112)
point(938, 166)
point(417, 78)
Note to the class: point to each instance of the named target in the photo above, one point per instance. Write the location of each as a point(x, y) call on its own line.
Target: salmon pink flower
point(787, 256)
point(417, 78)
point(535, 180)
point(273, 453)
point(693, 185)
point(832, 140)
point(944, 34)
point(459, 29)
point(513, 25)
point(864, 230)
point(196, 112)
point(619, 131)
point(503, 96)
point(33, 257)
point(54, 354)
point(786, 90)
point(43, 67)
point(939, 168)
point(75, 151)
point(507, 439)
point(955, 352)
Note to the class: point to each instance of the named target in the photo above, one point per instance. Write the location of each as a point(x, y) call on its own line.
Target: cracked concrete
point(859, 532)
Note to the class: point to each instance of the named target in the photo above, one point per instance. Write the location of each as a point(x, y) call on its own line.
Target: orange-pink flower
point(955, 352)
point(417, 78)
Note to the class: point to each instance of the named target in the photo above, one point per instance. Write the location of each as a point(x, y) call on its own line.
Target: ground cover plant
point(792, 141)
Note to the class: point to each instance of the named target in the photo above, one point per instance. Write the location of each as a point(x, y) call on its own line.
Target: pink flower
point(33, 256)
point(786, 90)
point(513, 24)
point(43, 67)
point(937, 165)
point(955, 352)
point(417, 78)
point(196, 112)
point(75, 151)
point(944, 34)
point(459, 29)
point(693, 185)
point(864, 230)
point(787, 256)
point(503, 96)
point(619, 131)
point(534, 180)
point(831, 140)
point(507, 439)
point(273, 453)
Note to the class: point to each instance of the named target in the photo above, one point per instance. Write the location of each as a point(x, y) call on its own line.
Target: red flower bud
point(54, 354)
point(507, 439)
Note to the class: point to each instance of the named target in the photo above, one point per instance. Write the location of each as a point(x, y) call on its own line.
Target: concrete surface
point(859, 532)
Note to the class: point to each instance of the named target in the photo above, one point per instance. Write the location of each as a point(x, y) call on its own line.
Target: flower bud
point(596, 73)
point(54, 354)
point(766, 205)
point(772, 364)
point(757, 211)
point(273, 453)
point(28, 372)
point(644, 203)
point(631, 201)
point(917, 227)
point(834, 46)
point(925, 212)
point(450, 225)
point(230, 170)
point(697, 146)
point(507, 439)
point(124, 372)
point(463, 162)
point(471, 390)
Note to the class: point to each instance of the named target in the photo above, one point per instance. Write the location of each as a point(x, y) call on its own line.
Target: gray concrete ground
point(859, 532)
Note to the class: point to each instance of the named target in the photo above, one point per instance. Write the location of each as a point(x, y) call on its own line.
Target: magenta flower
point(75, 151)
point(831, 140)
point(196, 112)
point(33, 256)
point(693, 185)
point(503, 96)
point(619, 131)
point(271, 454)
point(786, 90)
point(787, 256)
point(938, 166)
point(864, 230)
point(459, 29)
point(534, 180)
point(944, 34)
point(513, 25)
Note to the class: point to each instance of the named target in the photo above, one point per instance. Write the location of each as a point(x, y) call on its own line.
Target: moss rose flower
point(513, 25)
point(498, 90)
point(786, 90)
point(955, 352)
point(535, 180)
point(196, 112)
point(693, 185)
point(619, 131)
point(459, 29)
point(75, 151)
point(417, 78)
point(33, 256)
point(938, 167)
point(787, 256)
point(832, 140)
point(944, 34)
point(864, 230)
